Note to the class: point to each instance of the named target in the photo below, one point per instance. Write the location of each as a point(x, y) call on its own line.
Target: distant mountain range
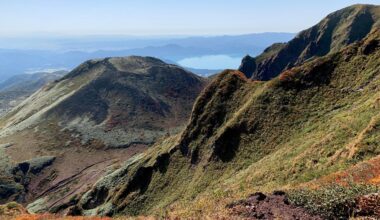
point(112, 43)
point(70, 53)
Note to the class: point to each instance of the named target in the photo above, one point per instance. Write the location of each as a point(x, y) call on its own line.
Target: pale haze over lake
point(212, 62)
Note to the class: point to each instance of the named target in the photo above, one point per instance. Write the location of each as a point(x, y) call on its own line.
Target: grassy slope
point(244, 136)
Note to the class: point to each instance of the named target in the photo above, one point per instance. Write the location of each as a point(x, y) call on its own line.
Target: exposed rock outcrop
point(248, 66)
point(33, 166)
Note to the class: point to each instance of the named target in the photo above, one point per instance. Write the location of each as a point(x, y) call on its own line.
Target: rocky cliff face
point(336, 31)
point(248, 66)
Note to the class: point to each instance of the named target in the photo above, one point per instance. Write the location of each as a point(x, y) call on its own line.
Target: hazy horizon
point(18, 56)
point(64, 18)
point(198, 34)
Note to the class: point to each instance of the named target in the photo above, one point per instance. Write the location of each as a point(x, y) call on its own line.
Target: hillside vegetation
point(311, 121)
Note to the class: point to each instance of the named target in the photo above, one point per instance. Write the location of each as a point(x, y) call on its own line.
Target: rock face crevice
point(22, 174)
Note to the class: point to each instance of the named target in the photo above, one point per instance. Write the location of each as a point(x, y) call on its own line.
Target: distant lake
point(211, 62)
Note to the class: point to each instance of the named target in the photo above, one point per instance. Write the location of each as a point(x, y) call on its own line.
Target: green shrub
point(12, 205)
point(331, 202)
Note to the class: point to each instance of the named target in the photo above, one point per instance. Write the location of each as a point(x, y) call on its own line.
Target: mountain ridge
point(337, 30)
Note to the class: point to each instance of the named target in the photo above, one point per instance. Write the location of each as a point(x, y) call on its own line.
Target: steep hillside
point(336, 31)
point(17, 88)
point(243, 136)
point(73, 131)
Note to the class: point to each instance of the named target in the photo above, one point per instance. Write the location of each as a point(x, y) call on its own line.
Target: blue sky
point(162, 17)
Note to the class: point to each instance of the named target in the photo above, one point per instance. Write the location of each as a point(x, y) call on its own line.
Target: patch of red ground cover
point(365, 172)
